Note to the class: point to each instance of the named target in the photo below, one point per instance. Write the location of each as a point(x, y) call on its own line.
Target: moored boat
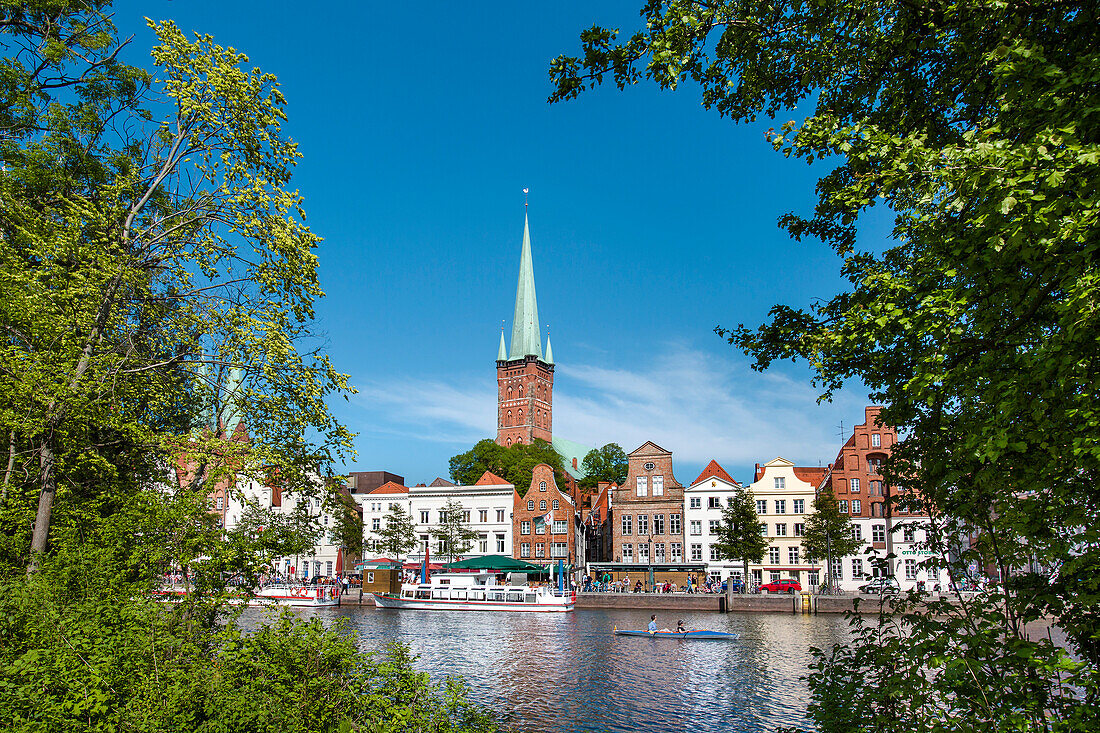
point(474, 592)
point(281, 594)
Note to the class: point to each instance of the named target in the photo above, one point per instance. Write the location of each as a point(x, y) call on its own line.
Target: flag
point(547, 518)
point(424, 570)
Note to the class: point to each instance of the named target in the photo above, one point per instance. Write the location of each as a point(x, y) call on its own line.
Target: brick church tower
point(525, 378)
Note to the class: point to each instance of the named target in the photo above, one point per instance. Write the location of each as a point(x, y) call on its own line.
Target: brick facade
point(647, 524)
point(854, 477)
point(542, 497)
point(525, 393)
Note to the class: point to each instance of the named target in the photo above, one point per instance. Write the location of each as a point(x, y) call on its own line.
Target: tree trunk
point(45, 503)
point(11, 467)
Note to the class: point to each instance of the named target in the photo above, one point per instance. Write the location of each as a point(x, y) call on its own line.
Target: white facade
point(376, 507)
point(487, 509)
point(703, 502)
point(902, 536)
point(784, 501)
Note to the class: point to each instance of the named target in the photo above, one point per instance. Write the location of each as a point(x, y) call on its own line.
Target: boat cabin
point(469, 587)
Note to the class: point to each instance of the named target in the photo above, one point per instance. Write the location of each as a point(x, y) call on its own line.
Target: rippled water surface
point(544, 672)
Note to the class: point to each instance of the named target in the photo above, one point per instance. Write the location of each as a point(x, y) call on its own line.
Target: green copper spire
point(549, 351)
point(502, 352)
point(525, 322)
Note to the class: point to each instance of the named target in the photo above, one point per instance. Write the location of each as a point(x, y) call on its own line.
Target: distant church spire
point(525, 322)
point(502, 352)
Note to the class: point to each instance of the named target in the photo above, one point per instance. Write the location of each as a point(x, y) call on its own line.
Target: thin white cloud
point(698, 405)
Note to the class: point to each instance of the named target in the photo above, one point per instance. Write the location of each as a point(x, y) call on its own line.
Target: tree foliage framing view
point(157, 283)
point(977, 123)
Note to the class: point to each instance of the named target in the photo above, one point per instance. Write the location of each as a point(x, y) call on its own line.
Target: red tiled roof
point(713, 470)
point(810, 475)
point(391, 487)
point(490, 479)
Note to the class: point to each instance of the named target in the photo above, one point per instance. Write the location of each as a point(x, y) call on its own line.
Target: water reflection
point(552, 672)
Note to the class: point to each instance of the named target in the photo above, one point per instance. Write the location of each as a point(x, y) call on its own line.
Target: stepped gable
point(491, 479)
point(391, 487)
point(713, 470)
point(439, 482)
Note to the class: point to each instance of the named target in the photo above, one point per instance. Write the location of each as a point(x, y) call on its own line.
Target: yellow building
point(784, 495)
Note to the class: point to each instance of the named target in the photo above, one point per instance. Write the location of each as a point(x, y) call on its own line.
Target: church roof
point(525, 321)
point(713, 470)
point(569, 450)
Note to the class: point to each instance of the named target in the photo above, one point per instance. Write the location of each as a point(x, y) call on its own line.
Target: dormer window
point(542, 486)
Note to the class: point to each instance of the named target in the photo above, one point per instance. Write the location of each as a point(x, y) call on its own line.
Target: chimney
point(574, 463)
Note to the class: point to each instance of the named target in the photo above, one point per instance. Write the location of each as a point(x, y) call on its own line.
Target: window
point(763, 530)
point(714, 554)
point(781, 530)
point(530, 505)
point(792, 555)
point(799, 529)
point(658, 485)
point(525, 549)
point(643, 524)
point(483, 543)
point(856, 506)
point(854, 484)
point(220, 503)
point(649, 466)
point(643, 485)
point(842, 506)
point(555, 504)
point(376, 524)
point(658, 524)
point(907, 533)
point(500, 515)
point(876, 509)
point(773, 576)
point(696, 526)
point(500, 542)
point(876, 488)
point(799, 506)
point(878, 533)
point(857, 568)
point(659, 552)
point(483, 515)
point(560, 549)
point(714, 502)
point(761, 506)
point(780, 506)
point(857, 533)
point(525, 527)
point(674, 524)
point(910, 569)
point(628, 553)
point(876, 440)
point(626, 524)
point(676, 550)
point(696, 502)
point(424, 517)
point(696, 552)
point(873, 465)
point(643, 553)
point(838, 569)
point(812, 578)
point(560, 527)
point(540, 550)
point(715, 526)
point(540, 527)
point(542, 486)
point(780, 482)
point(542, 505)
point(773, 555)
point(328, 568)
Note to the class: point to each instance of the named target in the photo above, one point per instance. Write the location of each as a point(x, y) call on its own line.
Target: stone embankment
point(731, 602)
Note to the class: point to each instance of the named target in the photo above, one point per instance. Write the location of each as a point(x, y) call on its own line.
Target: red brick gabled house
point(534, 539)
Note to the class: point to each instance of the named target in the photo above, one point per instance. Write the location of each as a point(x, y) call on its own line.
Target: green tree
point(739, 535)
point(977, 124)
point(604, 464)
point(397, 537)
point(828, 533)
point(515, 463)
point(454, 531)
point(348, 521)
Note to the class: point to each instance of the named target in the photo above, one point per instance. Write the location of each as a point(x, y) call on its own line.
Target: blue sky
point(652, 221)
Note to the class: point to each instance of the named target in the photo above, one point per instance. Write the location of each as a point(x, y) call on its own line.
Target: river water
point(569, 672)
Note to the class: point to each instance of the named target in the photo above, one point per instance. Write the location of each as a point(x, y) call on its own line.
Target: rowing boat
point(692, 634)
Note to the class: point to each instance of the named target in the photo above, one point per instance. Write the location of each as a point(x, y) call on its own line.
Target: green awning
point(501, 563)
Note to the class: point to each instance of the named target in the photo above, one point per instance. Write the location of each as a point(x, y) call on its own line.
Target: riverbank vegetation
point(976, 123)
point(157, 282)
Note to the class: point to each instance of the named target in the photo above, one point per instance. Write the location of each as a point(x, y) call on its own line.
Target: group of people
point(606, 584)
point(653, 626)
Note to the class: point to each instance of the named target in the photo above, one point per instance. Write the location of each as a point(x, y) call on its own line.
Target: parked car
point(882, 585)
point(735, 584)
point(782, 586)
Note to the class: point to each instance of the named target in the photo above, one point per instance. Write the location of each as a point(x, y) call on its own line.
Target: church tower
point(525, 378)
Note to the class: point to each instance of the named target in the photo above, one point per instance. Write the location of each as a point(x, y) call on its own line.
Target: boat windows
point(529, 598)
point(458, 595)
point(440, 594)
point(423, 594)
point(515, 597)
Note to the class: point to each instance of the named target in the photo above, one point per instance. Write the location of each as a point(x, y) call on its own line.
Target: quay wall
point(656, 601)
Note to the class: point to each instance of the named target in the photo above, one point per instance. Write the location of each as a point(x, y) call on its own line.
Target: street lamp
point(649, 558)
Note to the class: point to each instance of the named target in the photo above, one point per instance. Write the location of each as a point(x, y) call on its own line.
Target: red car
point(782, 586)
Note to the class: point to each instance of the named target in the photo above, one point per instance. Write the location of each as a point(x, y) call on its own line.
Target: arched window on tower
point(508, 420)
point(519, 416)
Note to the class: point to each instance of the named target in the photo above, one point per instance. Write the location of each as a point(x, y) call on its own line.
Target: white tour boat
point(474, 592)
